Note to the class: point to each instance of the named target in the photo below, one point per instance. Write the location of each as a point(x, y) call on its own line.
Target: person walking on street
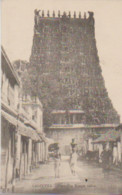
point(57, 163)
point(73, 161)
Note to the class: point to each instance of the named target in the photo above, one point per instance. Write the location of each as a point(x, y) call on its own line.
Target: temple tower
point(65, 57)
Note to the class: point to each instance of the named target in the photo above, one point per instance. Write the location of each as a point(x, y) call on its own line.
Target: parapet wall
point(40, 15)
point(63, 14)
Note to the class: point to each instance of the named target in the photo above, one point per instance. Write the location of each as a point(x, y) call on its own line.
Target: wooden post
point(20, 166)
point(6, 173)
point(24, 158)
point(14, 163)
point(15, 155)
point(29, 154)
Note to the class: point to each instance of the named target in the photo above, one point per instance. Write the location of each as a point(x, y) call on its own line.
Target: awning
point(110, 136)
point(22, 129)
point(9, 118)
point(42, 136)
point(28, 131)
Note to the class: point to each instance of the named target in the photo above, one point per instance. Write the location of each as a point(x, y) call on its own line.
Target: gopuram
point(70, 82)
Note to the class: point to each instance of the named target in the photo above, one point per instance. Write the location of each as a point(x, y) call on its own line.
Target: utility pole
point(15, 156)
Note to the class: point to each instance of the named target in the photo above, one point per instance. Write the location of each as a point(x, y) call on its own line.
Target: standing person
point(115, 160)
point(57, 162)
point(73, 161)
point(105, 158)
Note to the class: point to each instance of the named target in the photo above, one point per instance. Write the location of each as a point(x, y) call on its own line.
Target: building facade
point(69, 125)
point(9, 103)
point(110, 141)
point(23, 143)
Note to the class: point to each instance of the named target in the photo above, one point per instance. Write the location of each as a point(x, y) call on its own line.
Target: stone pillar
point(39, 152)
point(36, 152)
point(90, 145)
point(73, 118)
point(15, 159)
point(25, 158)
point(29, 154)
point(42, 151)
point(119, 151)
point(45, 146)
point(18, 150)
point(69, 119)
point(60, 119)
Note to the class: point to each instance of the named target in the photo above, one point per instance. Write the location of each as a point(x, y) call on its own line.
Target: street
point(90, 179)
point(99, 180)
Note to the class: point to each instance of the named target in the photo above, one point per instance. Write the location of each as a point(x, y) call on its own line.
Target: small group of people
point(72, 162)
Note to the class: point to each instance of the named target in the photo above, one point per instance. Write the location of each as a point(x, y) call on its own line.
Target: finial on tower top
point(36, 12)
point(53, 14)
point(69, 14)
point(59, 14)
point(48, 13)
point(91, 18)
point(74, 14)
point(36, 18)
point(84, 15)
point(91, 14)
point(79, 14)
point(42, 13)
point(64, 15)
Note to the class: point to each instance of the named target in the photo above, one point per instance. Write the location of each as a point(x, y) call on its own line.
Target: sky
point(18, 25)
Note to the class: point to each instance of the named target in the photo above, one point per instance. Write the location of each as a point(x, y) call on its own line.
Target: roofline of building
point(10, 65)
point(102, 138)
point(5, 107)
point(35, 104)
point(71, 126)
point(64, 14)
point(69, 111)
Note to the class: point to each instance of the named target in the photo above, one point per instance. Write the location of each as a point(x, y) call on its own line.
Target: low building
point(68, 125)
point(10, 85)
point(23, 143)
point(119, 129)
point(34, 108)
point(110, 141)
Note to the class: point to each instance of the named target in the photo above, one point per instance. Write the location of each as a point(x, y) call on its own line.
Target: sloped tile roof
point(110, 136)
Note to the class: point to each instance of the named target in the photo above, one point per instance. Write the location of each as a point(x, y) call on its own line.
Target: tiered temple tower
point(64, 53)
